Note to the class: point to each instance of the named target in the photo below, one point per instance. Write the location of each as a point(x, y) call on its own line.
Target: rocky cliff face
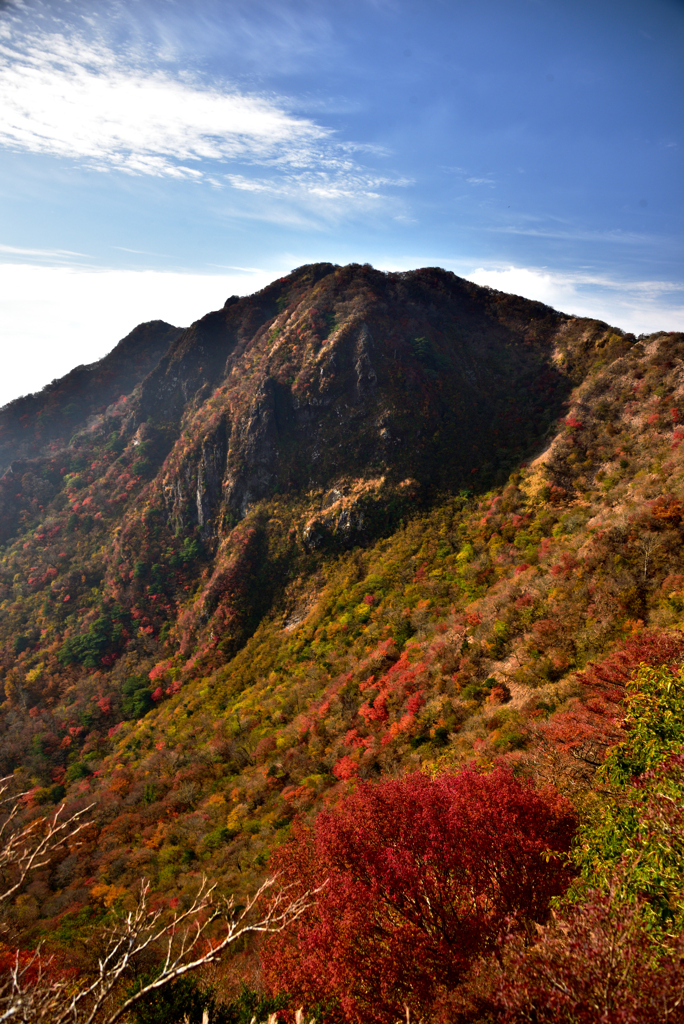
point(338, 373)
point(357, 394)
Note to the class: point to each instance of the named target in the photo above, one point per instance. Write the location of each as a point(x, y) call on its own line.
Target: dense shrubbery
point(615, 949)
point(420, 877)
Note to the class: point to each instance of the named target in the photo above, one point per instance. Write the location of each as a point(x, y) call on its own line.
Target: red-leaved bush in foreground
point(597, 964)
point(421, 877)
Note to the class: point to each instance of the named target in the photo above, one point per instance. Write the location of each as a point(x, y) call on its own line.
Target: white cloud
point(54, 318)
point(638, 306)
point(74, 99)
point(319, 185)
point(54, 255)
point(578, 235)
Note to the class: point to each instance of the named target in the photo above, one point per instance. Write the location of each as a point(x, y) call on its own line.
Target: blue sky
point(159, 155)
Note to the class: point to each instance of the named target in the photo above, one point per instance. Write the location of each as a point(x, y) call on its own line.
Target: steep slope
point(29, 424)
point(360, 373)
point(351, 524)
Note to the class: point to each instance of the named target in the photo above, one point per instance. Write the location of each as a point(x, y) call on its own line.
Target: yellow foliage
point(108, 895)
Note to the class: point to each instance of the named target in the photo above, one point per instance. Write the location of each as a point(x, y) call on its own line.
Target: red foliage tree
point(421, 877)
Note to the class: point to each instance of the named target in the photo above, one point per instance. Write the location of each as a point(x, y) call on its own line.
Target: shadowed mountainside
point(29, 424)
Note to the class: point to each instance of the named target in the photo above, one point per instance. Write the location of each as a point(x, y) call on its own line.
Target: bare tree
point(31, 996)
point(648, 543)
point(33, 993)
point(27, 847)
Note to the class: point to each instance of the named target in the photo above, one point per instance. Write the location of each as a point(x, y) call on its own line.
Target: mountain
point(353, 524)
point(30, 424)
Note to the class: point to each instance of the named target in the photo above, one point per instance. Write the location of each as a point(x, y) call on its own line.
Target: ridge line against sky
point(156, 156)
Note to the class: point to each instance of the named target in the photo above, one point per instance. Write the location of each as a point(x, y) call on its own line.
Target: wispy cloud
point(51, 254)
point(576, 234)
point(141, 252)
point(75, 99)
point(319, 184)
point(71, 98)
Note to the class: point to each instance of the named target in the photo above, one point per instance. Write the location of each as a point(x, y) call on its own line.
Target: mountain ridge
point(209, 631)
point(65, 404)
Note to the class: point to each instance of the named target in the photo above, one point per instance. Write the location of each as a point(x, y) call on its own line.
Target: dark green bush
point(136, 697)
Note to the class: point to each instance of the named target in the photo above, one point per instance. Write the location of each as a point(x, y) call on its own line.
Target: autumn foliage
point(595, 964)
point(419, 878)
point(216, 619)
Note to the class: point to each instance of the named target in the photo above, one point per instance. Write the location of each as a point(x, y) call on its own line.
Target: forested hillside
point(352, 528)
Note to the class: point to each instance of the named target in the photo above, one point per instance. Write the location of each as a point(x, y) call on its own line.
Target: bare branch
point(279, 914)
point(187, 940)
point(27, 848)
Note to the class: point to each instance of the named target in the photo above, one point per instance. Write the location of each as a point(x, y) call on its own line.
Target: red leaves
point(649, 648)
point(160, 669)
point(597, 964)
point(594, 722)
point(345, 769)
point(33, 965)
point(264, 747)
point(546, 633)
point(397, 685)
point(566, 566)
point(422, 877)
point(415, 703)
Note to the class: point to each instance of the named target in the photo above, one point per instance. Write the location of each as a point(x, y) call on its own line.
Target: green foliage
point(20, 643)
point(501, 637)
point(635, 832)
point(478, 691)
point(249, 1005)
point(183, 999)
point(89, 647)
point(115, 443)
point(136, 698)
point(654, 721)
point(218, 837)
point(191, 550)
point(422, 349)
point(77, 770)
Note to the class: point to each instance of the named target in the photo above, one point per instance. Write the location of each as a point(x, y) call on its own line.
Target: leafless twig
point(27, 848)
